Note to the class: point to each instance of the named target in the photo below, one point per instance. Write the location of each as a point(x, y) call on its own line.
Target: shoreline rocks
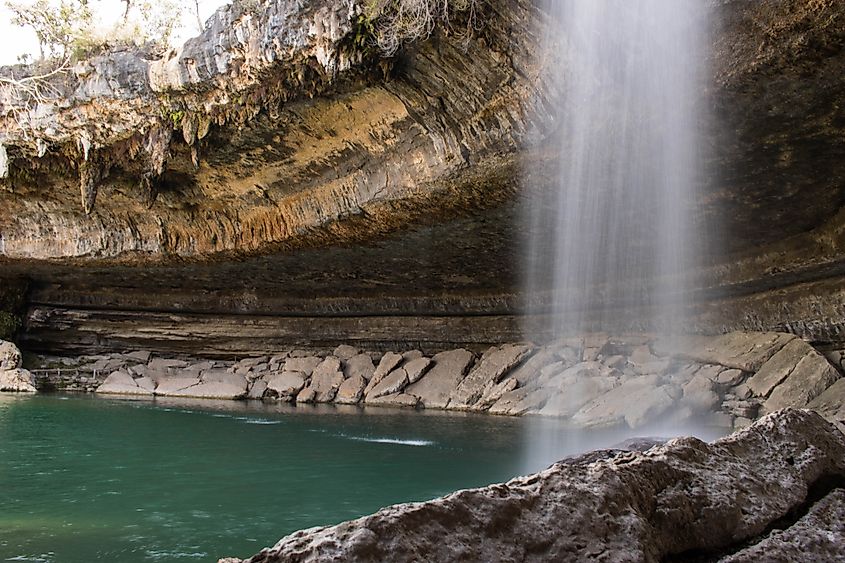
point(673, 501)
point(13, 378)
point(593, 381)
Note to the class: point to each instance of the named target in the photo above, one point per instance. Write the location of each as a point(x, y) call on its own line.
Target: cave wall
point(327, 194)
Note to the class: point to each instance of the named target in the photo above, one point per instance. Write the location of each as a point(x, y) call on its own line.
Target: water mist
point(613, 233)
point(613, 238)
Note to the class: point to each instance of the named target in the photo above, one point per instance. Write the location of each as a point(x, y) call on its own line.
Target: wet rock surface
point(677, 500)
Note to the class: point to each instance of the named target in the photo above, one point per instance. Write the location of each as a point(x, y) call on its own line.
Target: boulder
point(778, 367)
point(416, 368)
point(146, 383)
point(615, 362)
point(494, 364)
point(360, 365)
point(699, 392)
point(493, 392)
point(675, 501)
point(109, 364)
point(158, 376)
point(138, 371)
point(530, 369)
point(203, 366)
point(742, 391)
point(257, 389)
point(831, 403)
point(550, 371)
point(446, 372)
point(387, 364)
point(326, 380)
point(142, 356)
point(395, 400)
point(810, 378)
point(730, 377)
point(351, 390)
point(285, 384)
point(637, 401)
point(174, 386)
point(746, 351)
point(569, 356)
point(211, 390)
point(160, 364)
point(10, 356)
point(411, 355)
point(252, 362)
point(522, 400)
point(307, 395)
point(345, 351)
point(577, 388)
point(223, 376)
point(584, 370)
point(305, 364)
point(393, 383)
point(121, 383)
point(819, 535)
point(17, 380)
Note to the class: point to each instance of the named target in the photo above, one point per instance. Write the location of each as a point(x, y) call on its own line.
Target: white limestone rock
point(10, 356)
point(448, 369)
point(17, 380)
point(121, 383)
point(494, 364)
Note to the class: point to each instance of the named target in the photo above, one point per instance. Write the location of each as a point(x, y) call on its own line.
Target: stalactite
point(91, 172)
point(4, 161)
point(157, 147)
point(189, 129)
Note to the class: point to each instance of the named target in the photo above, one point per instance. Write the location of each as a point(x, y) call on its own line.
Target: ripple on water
point(43, 558)
point(397, 441)
point(164, 555)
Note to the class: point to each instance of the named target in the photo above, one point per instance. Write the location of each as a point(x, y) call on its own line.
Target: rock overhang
point(407, 173)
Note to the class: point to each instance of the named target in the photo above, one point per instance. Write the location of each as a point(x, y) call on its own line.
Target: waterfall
point(613, 236)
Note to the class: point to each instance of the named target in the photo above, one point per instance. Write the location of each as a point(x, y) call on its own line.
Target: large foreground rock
point(682, 498)
point(818, 536)
point(17, 380)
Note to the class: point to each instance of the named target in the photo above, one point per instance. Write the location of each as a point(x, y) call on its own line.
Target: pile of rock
point(12, 377)
point(595, 380)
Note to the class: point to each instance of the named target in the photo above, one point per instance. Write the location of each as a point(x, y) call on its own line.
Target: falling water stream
point(614, 234)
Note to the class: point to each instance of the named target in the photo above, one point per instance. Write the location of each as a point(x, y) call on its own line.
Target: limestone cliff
point(389, 187)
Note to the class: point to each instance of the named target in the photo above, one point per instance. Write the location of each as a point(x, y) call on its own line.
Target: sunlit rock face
point(389, 189)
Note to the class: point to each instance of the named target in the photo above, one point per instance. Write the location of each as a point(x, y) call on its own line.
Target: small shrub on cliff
point(401, 21)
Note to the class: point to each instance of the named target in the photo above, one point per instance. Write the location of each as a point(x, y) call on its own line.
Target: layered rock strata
point(731, 500)
point(441, 136)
